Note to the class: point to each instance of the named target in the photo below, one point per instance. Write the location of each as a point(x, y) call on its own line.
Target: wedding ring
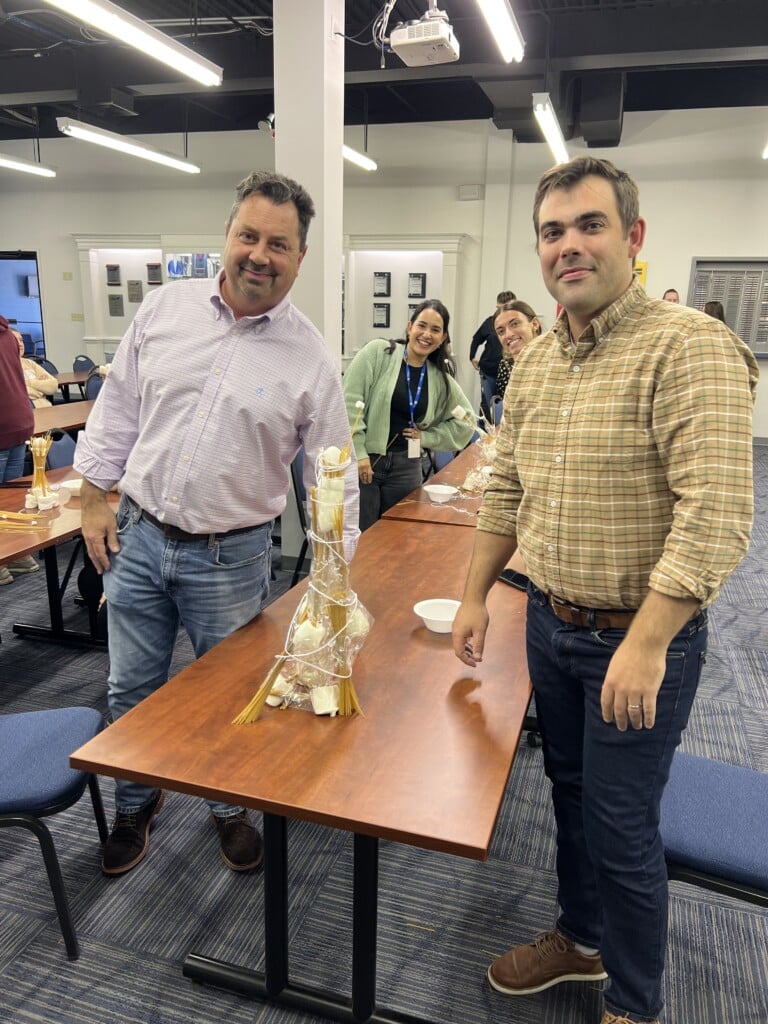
point(634, 707)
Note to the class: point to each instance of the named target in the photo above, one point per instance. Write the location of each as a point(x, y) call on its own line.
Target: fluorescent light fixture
point(126, 28)
point(550, 126)
point(358, 158)
point(15, 163)
point(503, 25)
point(123, 144)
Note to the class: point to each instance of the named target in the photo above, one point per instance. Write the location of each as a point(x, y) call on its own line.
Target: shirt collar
point(221, 305)
point(603, 324)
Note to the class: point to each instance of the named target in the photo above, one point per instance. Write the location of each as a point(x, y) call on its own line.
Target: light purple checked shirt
point(201, 415)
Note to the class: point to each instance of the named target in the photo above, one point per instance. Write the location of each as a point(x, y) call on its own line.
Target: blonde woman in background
point(40, 383)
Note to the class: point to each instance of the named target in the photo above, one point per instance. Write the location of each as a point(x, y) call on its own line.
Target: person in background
point(17, 425)
point(409, 399)
point(515, 324)
point(624, 470)
point(715, 309)
point(41, 385)
point(487, 363)
point(671, 295)
point(215, 387)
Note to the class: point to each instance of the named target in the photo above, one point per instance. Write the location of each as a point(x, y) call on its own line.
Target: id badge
point(414, 448)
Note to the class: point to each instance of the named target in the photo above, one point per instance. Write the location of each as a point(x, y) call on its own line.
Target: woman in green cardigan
point(411, 401)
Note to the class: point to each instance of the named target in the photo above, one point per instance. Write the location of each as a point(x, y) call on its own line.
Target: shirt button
point(553, 504)
point(550, 547)
point(185, 458)
point(201, 415)
point(558, 458)
point(175, 497)
point(217, 371)
point(564, 412)
point(576, 369)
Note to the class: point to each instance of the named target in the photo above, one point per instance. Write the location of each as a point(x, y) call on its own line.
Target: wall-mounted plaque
point(135, 291)
point(412, 307)
point(381, 314)
point(154, 273)
point(417, 286)
point(382, 284)
point(113, 273)
point(116, 305)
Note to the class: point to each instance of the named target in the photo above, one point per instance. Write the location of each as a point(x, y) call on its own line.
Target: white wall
point(704, 193)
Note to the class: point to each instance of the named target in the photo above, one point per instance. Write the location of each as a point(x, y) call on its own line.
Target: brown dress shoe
point(548, 960)
point(241, 845)
point(129, 840)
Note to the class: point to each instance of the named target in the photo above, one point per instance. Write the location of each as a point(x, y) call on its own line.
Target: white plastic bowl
point(437, 614)
point(440, 493)
point(73, 486)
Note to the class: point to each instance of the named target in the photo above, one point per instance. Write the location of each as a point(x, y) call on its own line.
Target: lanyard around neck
point(413, 401)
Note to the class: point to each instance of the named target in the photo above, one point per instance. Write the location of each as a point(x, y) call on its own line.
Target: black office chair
point(82, 363)
point(93, 384)
point(297, 479)
point(36, 781)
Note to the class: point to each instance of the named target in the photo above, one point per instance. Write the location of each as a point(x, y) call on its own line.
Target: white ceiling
point(668, 145)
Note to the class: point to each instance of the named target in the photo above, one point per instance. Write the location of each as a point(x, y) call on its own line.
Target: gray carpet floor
point(442, 919)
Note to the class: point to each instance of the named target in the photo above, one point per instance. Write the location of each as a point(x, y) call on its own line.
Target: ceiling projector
point(429, 41)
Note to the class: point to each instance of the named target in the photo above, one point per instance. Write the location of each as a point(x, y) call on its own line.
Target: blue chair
point(36, 781)
point(49, 366)
point(62, 451)
point(93, 384)
point(82, 363)
point(714, 825)
point(300, 493)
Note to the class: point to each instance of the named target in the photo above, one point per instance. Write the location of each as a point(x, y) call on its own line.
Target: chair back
point(93, 384)
point(82, 363)
point(300, 493)
point(62, 451)
point(49, 366)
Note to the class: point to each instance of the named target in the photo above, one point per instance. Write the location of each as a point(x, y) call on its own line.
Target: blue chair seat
point(714, 825)
point(36, 780)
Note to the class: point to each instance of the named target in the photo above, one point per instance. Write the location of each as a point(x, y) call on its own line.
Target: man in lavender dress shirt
point(215, 387)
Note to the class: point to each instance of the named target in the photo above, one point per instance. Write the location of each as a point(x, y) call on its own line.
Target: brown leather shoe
point(241, 845)
point(129, 840)
point(548, 960)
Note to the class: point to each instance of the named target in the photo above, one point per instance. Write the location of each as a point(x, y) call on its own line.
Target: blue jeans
point(212, 586)
point(606, 791)
point(12, 462)
point(394, 476)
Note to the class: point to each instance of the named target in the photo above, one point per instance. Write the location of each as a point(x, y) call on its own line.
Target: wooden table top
point(426, 765)
point(66, 416)
point(56, 525)
point(73, 377)
point(459, 511)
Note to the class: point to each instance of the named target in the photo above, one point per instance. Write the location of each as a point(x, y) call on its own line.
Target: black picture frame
point(381, 314)
point(417, 286)
point(382, 284)
point(113, 273)
point(154, 273)
point(412, 307)
point(115, 304)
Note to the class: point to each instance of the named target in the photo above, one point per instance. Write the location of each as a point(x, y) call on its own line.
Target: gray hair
point(279, 190)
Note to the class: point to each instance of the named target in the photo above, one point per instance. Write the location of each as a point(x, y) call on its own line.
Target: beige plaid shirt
point(625, 462)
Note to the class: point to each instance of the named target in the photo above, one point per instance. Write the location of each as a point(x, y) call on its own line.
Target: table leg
point(273, 984)
point(56, 632)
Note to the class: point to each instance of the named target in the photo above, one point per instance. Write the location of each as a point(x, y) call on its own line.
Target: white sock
point(586, 950)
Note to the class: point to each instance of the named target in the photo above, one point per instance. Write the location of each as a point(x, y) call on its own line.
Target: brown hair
point(519, 307)
point(567, 175)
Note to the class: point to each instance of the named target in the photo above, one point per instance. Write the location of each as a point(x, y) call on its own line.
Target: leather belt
point(176, 533)
point(590, 618)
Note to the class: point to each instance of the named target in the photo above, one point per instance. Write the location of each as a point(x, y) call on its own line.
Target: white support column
point(309, 134)
point(495, 273)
